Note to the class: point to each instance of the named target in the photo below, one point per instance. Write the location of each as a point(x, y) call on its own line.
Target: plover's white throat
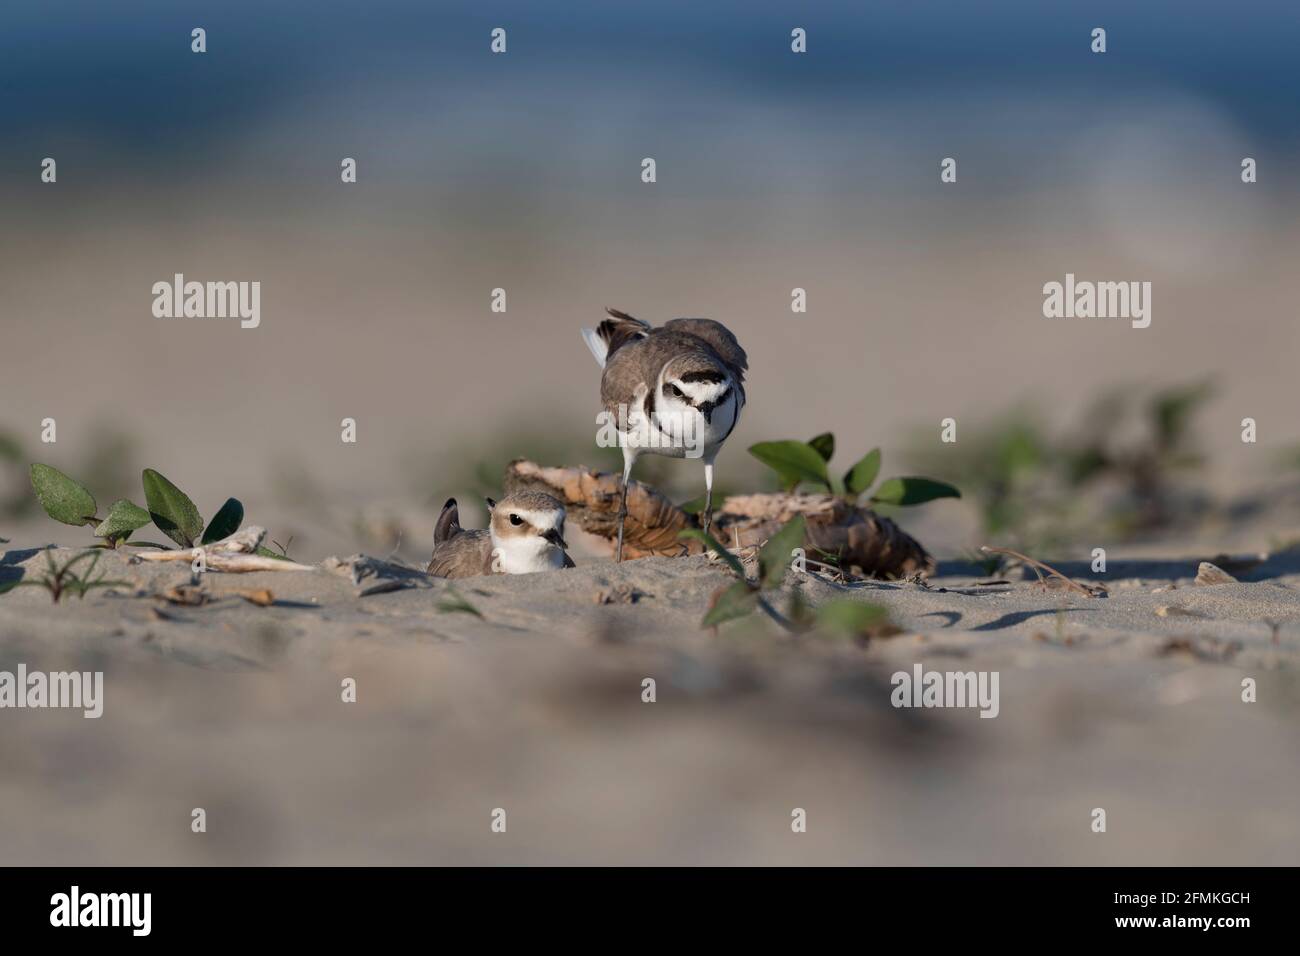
point(676, 390)
point(525, 534)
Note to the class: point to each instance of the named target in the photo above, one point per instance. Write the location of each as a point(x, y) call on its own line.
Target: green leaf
point(123, 518)
point(793, 461)
point(173, 513)
point(62, 498)
point(716, 546)
point(264, 552)
point(736, 601)
point(1172, 411)
point(775, 555)
point(225, 522)
point(799, 612)
point(913, 491)
point(454, 602)
point(862, 475)
point(694, 506)
point(823, 444)
point(851, 617)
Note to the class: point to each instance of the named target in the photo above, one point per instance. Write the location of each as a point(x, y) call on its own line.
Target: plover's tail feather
point(448, 525)
point(620, 329)
point(596, 344)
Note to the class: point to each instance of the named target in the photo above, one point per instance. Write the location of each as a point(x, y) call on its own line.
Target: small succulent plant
point(743, 597)
point(170, 509)
point(806, 463)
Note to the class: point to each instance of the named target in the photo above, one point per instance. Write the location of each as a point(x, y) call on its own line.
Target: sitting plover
point(676, 390)
point(525, 533)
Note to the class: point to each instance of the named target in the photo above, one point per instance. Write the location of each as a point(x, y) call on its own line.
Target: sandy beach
point(1131, 703)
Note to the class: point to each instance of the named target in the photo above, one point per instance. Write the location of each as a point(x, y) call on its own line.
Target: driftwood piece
point(857, 537)
point(224, 561)
point(234, 554)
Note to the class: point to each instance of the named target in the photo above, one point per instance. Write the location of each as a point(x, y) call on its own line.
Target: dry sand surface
point(536, 708)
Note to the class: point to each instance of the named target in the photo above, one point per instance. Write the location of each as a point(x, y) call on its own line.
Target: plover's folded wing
point(718, 337)
point(467, 555)
point(623, 389)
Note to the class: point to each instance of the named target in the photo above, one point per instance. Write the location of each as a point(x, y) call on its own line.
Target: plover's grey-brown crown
point(525, 534)
point(683, 380)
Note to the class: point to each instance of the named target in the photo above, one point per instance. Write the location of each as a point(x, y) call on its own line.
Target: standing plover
point(676, 390)
point(525, 533)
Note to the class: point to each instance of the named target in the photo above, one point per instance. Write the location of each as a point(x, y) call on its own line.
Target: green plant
point(60, 579)
point(797, 463)
point(1115, 471)
point(68, 501)
point(743, 596)
point(1144, 465)
point(453, 602)
point(169, 508)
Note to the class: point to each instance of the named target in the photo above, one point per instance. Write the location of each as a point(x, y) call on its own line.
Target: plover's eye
point(516, 520)
point(673, 390)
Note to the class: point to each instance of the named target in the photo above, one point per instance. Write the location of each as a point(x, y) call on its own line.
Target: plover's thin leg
point(629, 458)
point(708, 496)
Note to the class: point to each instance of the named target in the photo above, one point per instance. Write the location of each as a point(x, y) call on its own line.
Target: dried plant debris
point(239, 553)
point(1213, 649)
point(262, 597)
point(1274, 629)
point(1060, 640)
point(196, 595)
point(855, 535)
point(620, 594)
point(1055, 579)
point(186, 595)
point(375, 575)
point(1178, 610)
point(1208, 575)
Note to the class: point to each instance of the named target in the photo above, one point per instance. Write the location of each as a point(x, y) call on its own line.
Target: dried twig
point(1091, 590)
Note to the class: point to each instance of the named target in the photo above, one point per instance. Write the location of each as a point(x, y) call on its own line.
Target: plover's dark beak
point(557, 539)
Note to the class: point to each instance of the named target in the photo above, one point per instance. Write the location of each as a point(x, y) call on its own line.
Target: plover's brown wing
point(718, 337)
point(467, 555)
